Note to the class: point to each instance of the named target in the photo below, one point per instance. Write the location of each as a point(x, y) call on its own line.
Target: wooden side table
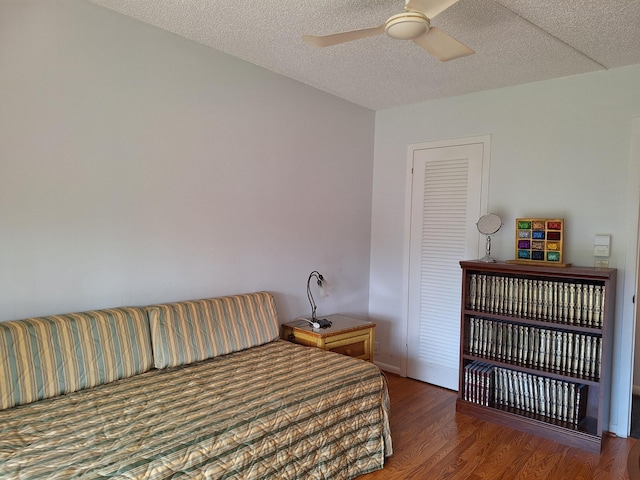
point(347, 335)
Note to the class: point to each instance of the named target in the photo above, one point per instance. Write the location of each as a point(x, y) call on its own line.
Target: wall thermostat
point(601, 245)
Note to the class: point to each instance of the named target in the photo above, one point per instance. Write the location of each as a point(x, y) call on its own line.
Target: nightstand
point(347, 335)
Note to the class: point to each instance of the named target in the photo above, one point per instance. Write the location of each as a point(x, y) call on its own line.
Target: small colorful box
point(540, 241)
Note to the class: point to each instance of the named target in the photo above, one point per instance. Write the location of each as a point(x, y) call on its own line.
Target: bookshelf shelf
point(536, 371)
point(535, 349)
point(584, 437)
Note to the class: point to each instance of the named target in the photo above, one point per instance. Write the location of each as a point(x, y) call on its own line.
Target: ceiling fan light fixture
point(413, 24)
point(407, 25)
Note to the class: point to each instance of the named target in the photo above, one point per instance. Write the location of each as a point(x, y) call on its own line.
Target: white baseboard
point(388, 368)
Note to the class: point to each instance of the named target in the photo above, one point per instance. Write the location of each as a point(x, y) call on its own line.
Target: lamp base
point(323, 322)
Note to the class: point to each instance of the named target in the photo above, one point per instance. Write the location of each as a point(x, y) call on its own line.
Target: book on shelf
point(565, 352)
point(479, 383)
point(571, 303)
point(552, 399)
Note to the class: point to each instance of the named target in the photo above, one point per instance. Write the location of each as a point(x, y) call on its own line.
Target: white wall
point(139, 167)
point(559, 148)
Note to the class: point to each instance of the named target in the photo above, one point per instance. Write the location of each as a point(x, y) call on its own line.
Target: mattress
point(279, 411)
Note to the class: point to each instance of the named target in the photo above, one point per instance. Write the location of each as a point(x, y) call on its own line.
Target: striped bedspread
point(276, 411)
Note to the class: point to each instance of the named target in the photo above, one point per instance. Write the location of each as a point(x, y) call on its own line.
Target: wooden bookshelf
point(535, 350)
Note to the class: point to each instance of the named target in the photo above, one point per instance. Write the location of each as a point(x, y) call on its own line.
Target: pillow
point(49, 356)
point(186, 332)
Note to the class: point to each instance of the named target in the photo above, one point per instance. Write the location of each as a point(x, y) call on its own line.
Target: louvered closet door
point(445, 207)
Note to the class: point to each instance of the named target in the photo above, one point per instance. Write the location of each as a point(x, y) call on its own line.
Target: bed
point(275, 410)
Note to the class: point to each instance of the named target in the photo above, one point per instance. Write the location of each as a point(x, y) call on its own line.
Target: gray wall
point(139, 167)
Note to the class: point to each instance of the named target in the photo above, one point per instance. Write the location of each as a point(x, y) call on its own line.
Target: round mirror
point(488, 225)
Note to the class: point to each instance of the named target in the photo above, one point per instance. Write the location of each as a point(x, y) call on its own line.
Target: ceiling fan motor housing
point(406, 25)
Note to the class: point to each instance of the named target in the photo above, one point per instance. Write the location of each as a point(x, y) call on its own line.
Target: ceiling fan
point(412, 24)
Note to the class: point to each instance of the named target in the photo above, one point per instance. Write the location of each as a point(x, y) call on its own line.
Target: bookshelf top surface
point(503, 267)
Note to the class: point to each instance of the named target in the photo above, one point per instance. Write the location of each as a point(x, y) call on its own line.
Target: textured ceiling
point(516, 41)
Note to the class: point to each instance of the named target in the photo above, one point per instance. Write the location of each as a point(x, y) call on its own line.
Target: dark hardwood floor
point(431, 441)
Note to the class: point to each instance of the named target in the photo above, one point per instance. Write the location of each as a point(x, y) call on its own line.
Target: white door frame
point(626, 354)
point(484, 139)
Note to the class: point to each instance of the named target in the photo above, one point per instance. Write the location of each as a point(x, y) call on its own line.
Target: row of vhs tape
point(551, 399)
point(567, 353)
point(548, 300)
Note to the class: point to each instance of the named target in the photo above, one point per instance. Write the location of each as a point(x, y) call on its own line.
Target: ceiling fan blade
point(430, 8)
point(442, 46)
point(336, 38)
